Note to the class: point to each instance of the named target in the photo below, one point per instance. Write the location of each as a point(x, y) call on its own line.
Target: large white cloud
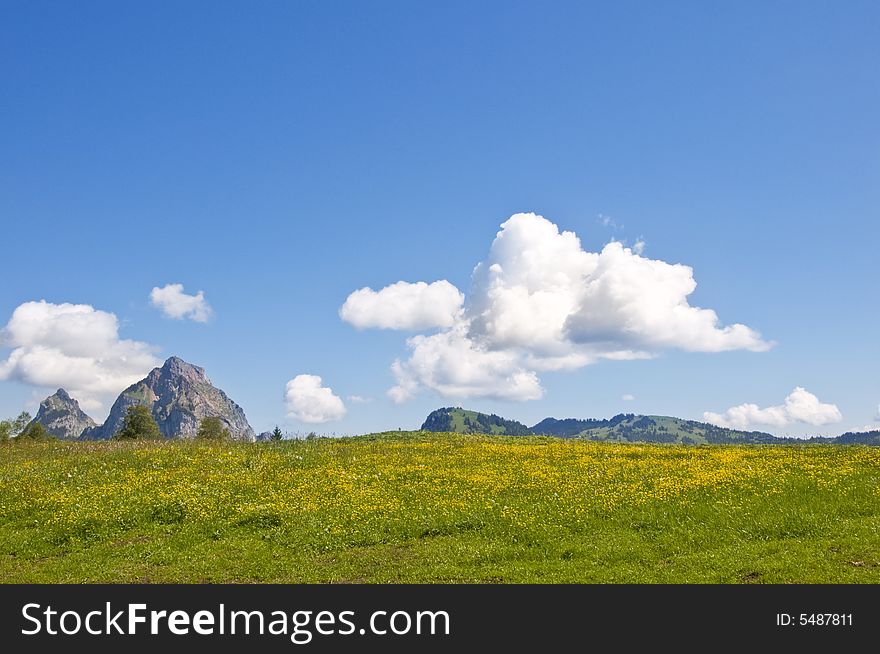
point(540, 289)
point(308, 401)
point(73, 346)
point(800, 406)
point(404, 306)
point(174, 303)
point(541, 302)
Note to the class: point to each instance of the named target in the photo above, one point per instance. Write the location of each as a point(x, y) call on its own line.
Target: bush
point(139, 425)
point(35, 432)
point(213, 429)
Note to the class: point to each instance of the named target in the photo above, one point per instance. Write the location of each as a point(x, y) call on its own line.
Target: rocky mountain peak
point(62, 395)
point(62, 416)
point(177, 367)
point(179, 396)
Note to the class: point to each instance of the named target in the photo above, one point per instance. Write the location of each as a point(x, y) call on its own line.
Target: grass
point(420, 507)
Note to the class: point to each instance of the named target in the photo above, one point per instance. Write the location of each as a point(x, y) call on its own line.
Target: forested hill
point(462, 421)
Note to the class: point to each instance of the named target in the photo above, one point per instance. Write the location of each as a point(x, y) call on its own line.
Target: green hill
point(462, 421)
point(622, 428)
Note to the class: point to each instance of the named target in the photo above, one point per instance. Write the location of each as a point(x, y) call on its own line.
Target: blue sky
point(280, 156)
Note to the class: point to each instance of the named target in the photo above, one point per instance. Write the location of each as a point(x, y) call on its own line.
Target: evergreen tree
point(35, 432)
point(276, 434)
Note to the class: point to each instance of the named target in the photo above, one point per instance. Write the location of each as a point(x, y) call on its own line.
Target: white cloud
point(800, 406)
point(359, 399)
point(308, 401)
point(174, 303)
point(404, 306)
point(541, 290)
point(541, 302)
point(73, 346)
point(628, 301)
point(453, 365)
point(627, 397)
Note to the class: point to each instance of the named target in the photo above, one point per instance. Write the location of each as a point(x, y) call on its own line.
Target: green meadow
point(435, 507)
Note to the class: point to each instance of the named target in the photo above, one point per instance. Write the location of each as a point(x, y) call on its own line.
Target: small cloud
point(627, 397)
point(174, 303)
point(639, 247)
point(404, 306)
point(359, 399)
point(308, 401)
point(800, 406)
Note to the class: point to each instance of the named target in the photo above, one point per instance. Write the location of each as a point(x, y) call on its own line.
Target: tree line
point(20, 427)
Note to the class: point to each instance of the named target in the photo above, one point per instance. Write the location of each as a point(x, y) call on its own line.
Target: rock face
point(61, 416)
point(179, 395)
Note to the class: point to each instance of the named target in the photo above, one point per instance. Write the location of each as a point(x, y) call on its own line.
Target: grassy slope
point(426, 507)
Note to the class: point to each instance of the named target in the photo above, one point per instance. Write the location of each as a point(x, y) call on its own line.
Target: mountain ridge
point(624, 427)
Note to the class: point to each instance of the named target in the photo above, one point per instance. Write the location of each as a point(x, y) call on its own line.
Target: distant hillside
point(665, 429)
point(855, 438)
point(570, 427)
point(622, 428)
point(462, 421)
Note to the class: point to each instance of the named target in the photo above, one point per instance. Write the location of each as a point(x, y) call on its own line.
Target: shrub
point(139, 425)
point(213, 429)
